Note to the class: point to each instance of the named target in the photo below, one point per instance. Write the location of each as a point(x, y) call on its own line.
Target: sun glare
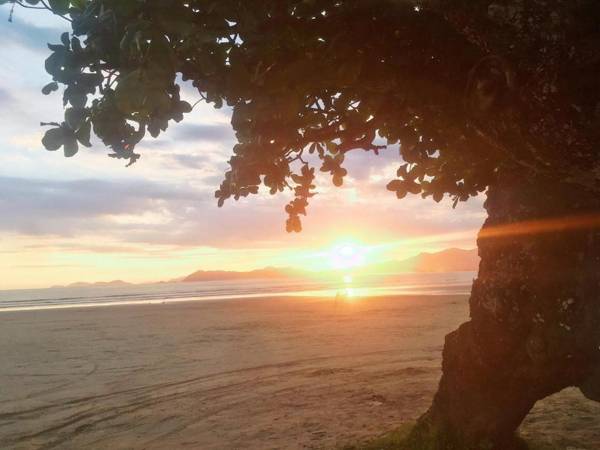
point(347, 255)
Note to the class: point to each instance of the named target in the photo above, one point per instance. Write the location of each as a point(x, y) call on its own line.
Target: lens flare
point(347, 255)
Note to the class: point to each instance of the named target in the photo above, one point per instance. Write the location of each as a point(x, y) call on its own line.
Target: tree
point(501, 97)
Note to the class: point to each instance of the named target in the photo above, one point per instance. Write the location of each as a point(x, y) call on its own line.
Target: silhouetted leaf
point(75, 117)
point(53, 139)
point(70, 145)
point(50, 87)
point(83, 134)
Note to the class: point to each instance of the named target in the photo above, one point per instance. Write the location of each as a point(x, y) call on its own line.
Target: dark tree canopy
point(468, 88)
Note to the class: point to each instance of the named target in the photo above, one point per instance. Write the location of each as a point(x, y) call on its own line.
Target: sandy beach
point(277, 373)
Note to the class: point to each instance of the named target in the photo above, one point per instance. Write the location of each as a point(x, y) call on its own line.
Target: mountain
point(267, 272)
point(96, 284)
point(449, 260)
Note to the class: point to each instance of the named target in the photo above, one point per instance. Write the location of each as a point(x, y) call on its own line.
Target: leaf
point(402, 171)
point(79, 4)
point(50, 87)
point(56, 47)
point(412, 187)
point(142, 92)
point(401, 193)
point(293, 224)
point(59, 6)
point(76, 44)
point(331, 147)
point(64, 38)
point(83, 134)
point(77, 99)
point(185, 107)
point(71, 146)
point(394, 185)
point(54, 62)
point(154, 128)
point(53, 139)
point(75, 117)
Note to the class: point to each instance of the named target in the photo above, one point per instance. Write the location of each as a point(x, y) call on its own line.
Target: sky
point(90, 218)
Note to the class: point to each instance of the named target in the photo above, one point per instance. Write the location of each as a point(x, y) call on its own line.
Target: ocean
point(358, 286)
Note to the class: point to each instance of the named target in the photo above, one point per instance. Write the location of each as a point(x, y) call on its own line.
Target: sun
point(347, 255)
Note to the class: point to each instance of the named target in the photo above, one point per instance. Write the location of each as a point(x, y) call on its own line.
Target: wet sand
point(277, 373)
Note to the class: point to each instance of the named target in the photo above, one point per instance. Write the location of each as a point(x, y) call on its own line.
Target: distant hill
point(267, 272)
point(449, 260)
point(96, 284)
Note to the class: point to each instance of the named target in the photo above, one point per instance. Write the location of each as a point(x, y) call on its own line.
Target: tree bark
point(535, 317)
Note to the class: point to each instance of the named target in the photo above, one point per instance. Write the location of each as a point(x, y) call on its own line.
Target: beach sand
point(277, 373)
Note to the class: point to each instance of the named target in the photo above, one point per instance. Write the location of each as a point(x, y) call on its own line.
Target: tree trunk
point(535, 317)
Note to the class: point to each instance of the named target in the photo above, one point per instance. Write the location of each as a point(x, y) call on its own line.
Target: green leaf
point(79, 4)
point(53, 139)
point(50, 87)
point(59, 6)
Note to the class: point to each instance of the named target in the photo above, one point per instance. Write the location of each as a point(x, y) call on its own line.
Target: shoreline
point(358, 292)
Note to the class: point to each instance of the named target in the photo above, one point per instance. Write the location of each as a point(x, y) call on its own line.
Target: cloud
point(42, 266)
point(191, 161)
point(189, 132)
point(25, 34)
point(5, 97)
point(124, 216)
point(37, 207)
point(361, 165)
point(133, 212)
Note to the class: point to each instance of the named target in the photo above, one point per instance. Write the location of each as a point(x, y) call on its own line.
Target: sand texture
point(246, 374)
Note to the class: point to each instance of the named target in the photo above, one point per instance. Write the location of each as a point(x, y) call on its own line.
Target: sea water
point(458, 283)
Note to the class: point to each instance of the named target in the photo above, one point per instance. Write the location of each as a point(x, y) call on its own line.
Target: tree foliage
point(465, 87)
